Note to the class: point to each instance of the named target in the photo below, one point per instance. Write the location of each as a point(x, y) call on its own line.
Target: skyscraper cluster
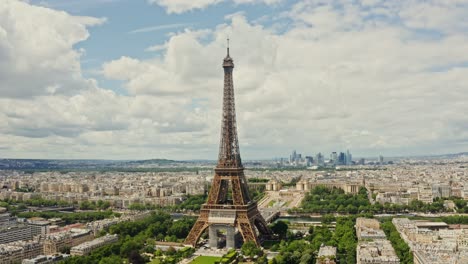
point(297, 159)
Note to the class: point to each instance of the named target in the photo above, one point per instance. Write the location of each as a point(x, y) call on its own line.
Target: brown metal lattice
point(229, 176)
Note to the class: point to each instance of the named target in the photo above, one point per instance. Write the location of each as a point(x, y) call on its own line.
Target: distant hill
point(458, 154)
point(445, 156)
point(154, 161)
point(51, 164)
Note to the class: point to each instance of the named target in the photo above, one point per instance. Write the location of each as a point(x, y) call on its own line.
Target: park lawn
point(205, 260)
point(155, 261)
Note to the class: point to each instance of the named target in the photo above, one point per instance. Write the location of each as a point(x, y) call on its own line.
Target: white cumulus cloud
point(361, 75)
point(318, 85)
point(181, 6)
point(36, 50)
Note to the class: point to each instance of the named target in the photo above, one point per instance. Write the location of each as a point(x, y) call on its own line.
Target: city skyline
point(120, 79)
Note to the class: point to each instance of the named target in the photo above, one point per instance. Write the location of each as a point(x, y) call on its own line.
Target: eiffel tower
point(229, 206)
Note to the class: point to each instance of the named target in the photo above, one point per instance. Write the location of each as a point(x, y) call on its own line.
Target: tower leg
point(262, 227)
point(248, 232)
point(213, 236)
point(230, 237)
point(197, 229)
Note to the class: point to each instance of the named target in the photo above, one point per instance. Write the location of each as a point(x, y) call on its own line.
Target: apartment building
point(54, 243)
point(86, 248)
point(326, 255)
point(15, 232)
point(373, 246)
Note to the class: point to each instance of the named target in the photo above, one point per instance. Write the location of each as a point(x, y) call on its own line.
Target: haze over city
point(120, 79)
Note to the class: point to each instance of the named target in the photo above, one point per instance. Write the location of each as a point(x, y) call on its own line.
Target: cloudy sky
point(138, 79)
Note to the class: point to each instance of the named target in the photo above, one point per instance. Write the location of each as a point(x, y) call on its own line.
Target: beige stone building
point(86, 248)
point(54, 243)
point(10, 254)
point(326, 255)
point(373, 246)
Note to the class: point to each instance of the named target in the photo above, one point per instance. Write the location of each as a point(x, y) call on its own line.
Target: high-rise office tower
point(381, 160)
point(334, 157)
point(349, 158)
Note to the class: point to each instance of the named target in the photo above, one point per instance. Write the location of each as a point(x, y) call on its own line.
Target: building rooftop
point(96, 241)
point(327, 251)
point(426, 224)
point(12, 227)
point(377, 250)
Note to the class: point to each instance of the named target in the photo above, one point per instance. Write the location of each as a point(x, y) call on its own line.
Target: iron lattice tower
point(229, 202)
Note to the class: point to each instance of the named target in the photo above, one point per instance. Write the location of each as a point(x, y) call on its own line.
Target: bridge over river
point(269, 214)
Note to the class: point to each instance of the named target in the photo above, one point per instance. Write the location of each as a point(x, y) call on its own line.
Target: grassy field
point(205, 260)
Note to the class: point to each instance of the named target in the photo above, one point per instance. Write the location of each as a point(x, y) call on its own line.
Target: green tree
point(402, 249)
point(181, 228)
point(115, 259)
point(262, 260)
point(85, 205)
point(127, 247)
point(328, 219)
point(250, 249)
point(280, 228)
point(135, 258)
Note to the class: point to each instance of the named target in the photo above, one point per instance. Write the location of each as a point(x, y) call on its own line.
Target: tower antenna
point(228, 46)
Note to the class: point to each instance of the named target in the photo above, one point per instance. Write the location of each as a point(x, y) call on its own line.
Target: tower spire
point(229, 155)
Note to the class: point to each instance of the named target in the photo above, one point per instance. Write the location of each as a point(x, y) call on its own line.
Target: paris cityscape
point(235, 131)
